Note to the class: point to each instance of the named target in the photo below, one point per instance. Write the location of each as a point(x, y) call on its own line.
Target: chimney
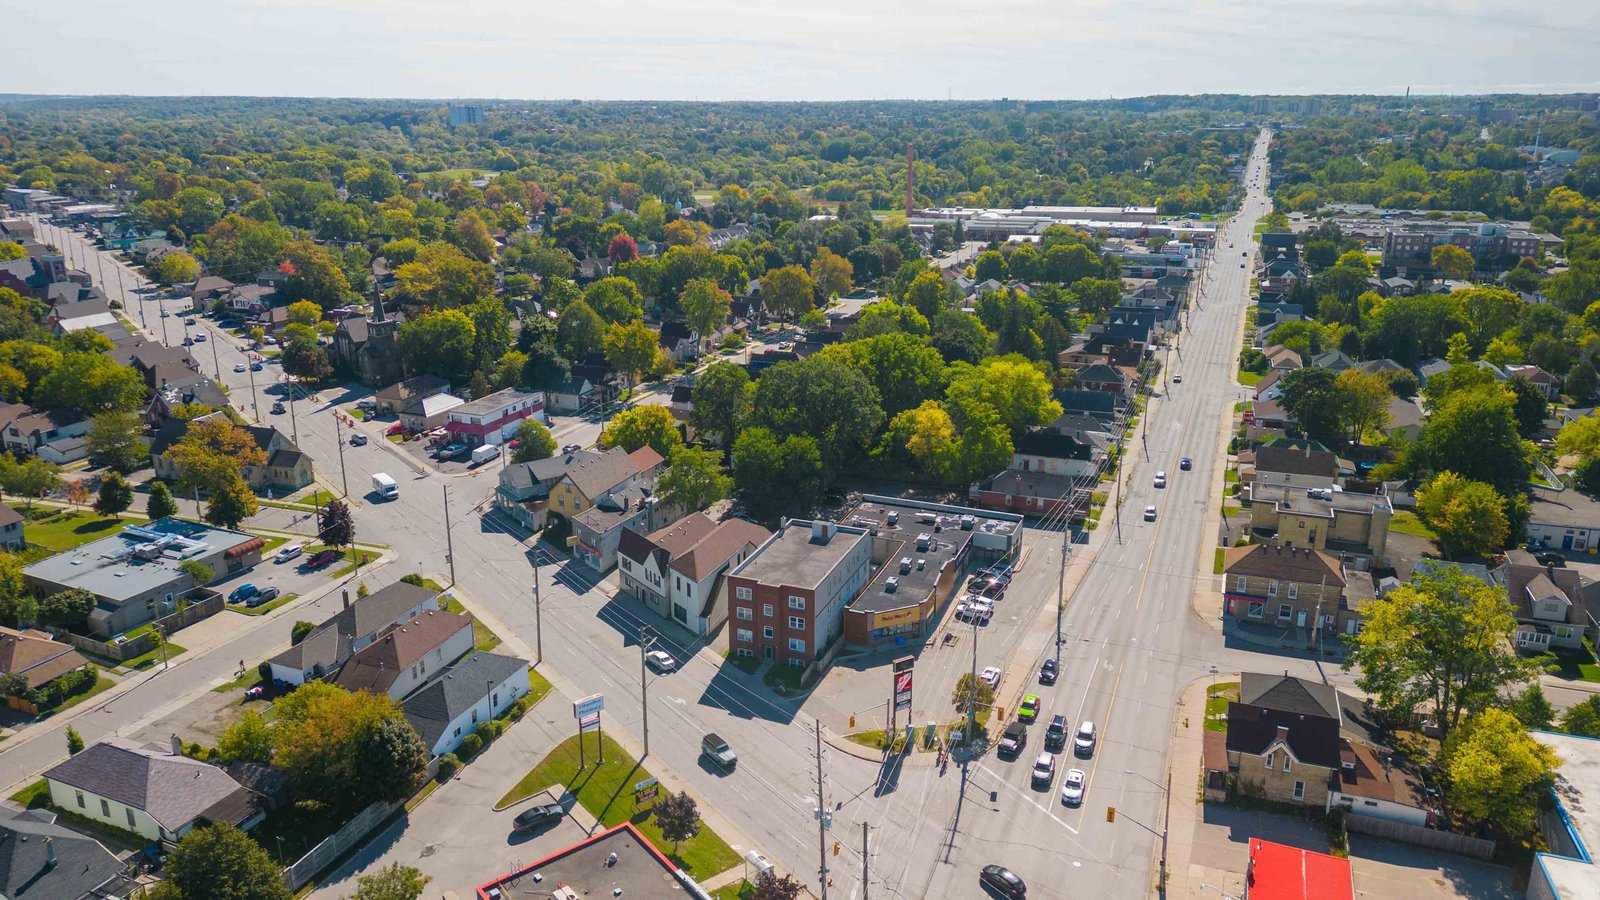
point(347, 598)
point(177, 746)
point(1283, 733)
point(49, 854)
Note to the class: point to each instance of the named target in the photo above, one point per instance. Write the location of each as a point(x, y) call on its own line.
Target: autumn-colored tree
point(212, 453)
point(652, 426)
point(832, 273)
point(621, 249)
point(1453, 262)
point(633, 350)
point(788, 293)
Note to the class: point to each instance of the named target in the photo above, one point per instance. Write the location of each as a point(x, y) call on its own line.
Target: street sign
point(588, 706)
point(645, 791)
point(902, 690)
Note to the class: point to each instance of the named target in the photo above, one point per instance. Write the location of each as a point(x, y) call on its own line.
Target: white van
point(385, 486)
point(485, 453)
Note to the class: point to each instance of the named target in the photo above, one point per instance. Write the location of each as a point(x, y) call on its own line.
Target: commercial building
point(137, 574)
point(921, 552)
point(617, 862)
point(1343, 522)
point(788, 597)
point(494, 419)
point(1492, 245)
point(1570, 824)
point(1279, 872)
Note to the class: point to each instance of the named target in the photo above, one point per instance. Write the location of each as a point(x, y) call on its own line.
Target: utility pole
point(864, 888)
point(1061, 584)
point(250, 366)
point(293, 423)
point(822, 821)
point(449, 547)
point(338, 436)
point(216, 361)
point(644, 685)
point(972, 689)
point(538, 617)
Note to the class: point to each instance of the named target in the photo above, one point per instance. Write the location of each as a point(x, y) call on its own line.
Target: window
point(1294, 590)
point(743, 593)
point(766, 631)
point(797, 622)
point(797, 664)
point(746, 652)
point(1257, 610)
point(457, 732)
point(766, 610)
point(1285, 610)
point(81, 804)
point(1299, 790)
point(1269, 761)
point(743, 613)
point(797, 645)
point(626, 565)
point(796, 602)
point(105, 809)
point(1272, 589)
point(1288, 762)
point(746, 636)
point(131, 822)
point(1241, 583)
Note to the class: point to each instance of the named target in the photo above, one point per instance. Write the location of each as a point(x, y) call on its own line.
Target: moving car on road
point(1149, 513)
point(238, 367)
point(1029, 709)
point(278, 408)
point(991, 676)
point(1003, 882)
point(1048, 671)
point(538, 817)
point(1161, 479)
point(717, 750)
point(1044, 770)
point(1083, 744)
point(661, 661)
point(358, 440)
point(1055, 734)
point(1013, 740)
point(1186, 464)
point(1072, 788)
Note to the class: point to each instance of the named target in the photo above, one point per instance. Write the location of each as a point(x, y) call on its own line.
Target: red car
point(322, 558)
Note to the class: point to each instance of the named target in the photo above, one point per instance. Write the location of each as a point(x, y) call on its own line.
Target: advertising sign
point(645, 791)
point(588, 706)
point(902, 690)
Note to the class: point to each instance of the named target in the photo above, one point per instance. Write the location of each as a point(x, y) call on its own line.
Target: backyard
point(58, 530)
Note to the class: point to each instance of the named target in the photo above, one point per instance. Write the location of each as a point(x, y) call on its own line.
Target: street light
point(1166, 816)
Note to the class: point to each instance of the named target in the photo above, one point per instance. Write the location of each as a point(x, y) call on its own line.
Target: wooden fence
point(1432, 838)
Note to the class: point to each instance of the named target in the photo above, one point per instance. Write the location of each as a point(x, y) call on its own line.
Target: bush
point(449, 764)
point(486, 733)
point(471, 745)
point(264, 669)
point(299, 632)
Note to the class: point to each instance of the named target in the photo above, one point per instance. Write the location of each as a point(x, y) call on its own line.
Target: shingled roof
point(173, 789)
point(376, 666)
point(455, 690)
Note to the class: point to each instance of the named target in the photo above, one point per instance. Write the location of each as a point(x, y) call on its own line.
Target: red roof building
point(1278, 872)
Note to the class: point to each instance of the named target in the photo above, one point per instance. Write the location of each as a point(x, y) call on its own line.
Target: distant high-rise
point(465, 115)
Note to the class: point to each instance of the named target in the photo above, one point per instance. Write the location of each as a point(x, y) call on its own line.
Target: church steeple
point(377, 305)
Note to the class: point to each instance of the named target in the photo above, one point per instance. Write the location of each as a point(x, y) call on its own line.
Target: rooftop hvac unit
point(923, 540)
point(922, 564)
point(905, 564)
point(893, 518)
point(890, 585)
point(967, 522)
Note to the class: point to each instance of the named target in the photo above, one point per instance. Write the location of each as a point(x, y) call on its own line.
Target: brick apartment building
point(787, 600)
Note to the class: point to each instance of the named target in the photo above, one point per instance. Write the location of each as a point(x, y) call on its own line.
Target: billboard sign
point(588, 706)
point(902, 690)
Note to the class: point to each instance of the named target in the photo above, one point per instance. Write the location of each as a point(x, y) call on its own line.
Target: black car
point(1003, 882)
point(1185, 464)
point(1550, 558)
point(1048, 671)
point(1055, 735)
point(1013, 740)
point(538, 817)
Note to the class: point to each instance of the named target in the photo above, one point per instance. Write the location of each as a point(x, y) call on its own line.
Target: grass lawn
point(538, 687)
point(101, 685)
point(1217, 699)
point(606, 791)
point(1229, 509)
point(153, 658)
point(483, 638)
point(1216, 562)
point(357, 413)
point(315, 498)
point(1230, 476)
point(744, 890)
point(1248, 378)
point(785, 680)
point(875, 739)
point(1406, 522)
point(33, 796)
point(1577, 665)
point(745, 664)
point(249, 679)
point(64, 529)
point(264, 608)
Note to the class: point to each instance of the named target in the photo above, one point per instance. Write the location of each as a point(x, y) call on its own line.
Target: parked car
point(242, 592)
point(1550, 558)
point(321, 558)
point(256, 366)
point(256, 693)
point(1013, 740)
point(991, 676)
point(451, 451)
point(1002, 881)
point(1072, 788)
point(571, 448)
point(1048, 671)
point(358, 440)
point(661, 661)
point(265, 595)
point(1055, 734)
point(1083, 744)
point(538, 817)
point(288, 553)
point(1029, 709)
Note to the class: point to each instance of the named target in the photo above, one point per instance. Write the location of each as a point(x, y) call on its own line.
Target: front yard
point(1218, 696)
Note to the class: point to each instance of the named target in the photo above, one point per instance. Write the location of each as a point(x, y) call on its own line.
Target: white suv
point(1083, 744)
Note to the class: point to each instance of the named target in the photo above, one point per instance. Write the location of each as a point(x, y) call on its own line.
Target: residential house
point(66, 318)
point(145, 356)
point(677, 571)
point(1101, 405)
point(1406, 416)
point(1305, 467)
point(209, 288)
point(1569, 866)
point(1280, 276)
point(1399, 287)
point(1033, 493)
point(429, 413)
point(153, 791)
point(583, 482)
point(466, 693)
point(136, 574)
point(1270, 385)
point(788, 597)
point(36, 658)
point(403, 656)
point(355, 626)
point(679, 341)
point(392, 399)
point(1555, 608)
point(1122, 382)
point(1048, 450)
point(1268, 414)
point(1335, 360)
point(25, 430)
point(1549, 385)
point(681, 404)
point(1079, 356)
point(252, 301)
point(523, 491)
point(571, 396)
point(599, 528)
point(1279, 243)
point(12, 536)
point(1281, 357)
point(1287, 586)
point(1337, 521)
point(196, 389)
point(494, 419)
point(287, 468)
point(40, 859)
point(1564, 519)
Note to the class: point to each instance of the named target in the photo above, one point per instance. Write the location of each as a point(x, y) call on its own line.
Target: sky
point(812, 50)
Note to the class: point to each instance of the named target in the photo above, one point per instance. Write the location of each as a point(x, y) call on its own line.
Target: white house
point(321, 652)
point(404, 656)
point(1563, 519)
point(152, 791)
point(456, 700)
point(677, 571)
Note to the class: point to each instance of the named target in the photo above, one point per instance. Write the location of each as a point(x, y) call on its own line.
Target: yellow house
point(1321, 519)
point(591, 480)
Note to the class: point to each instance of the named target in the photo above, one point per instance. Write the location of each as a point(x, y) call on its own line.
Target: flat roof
point(585, 869)
point(138, 559)
point(794, 557)
point(946, 541)
point(1578, 787)
point(494, 402)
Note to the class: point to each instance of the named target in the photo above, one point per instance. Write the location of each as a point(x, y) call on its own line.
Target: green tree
point(439, 343)
point(1584, 718)
point(960, 337)
point(199, 573)
point(1442, 644)
point(247, 740)
point(1469, 517)
point(393, 882)
point(678, 818)
point(74, 741)
point(971, 694)
point(32, 479)
point(313, 274)
point(823, 398)
point(346, 749)
point(614, 299)
point(643, 426)
point(904, 369)
point(633, 350)
point(928, 294)
point(1312, 397)
point(1528, 406)
point(336, 527)
point(304, 312)
point(472, 235)
point(534, 442)
point(1453, 262)
point(1016, 389)
point(705, 306)
point(1474, 434)
point(443, 276)
point(832, 274)
point(991, 264)
point(160, 505)
point(777, 477)
point(198, 209)
point(722, 398)
point(1496, 774)
point(788, 292)
point(115, 441)
point(212, 454)
point(1532, 708)
point(220, 862)
point(90, 381)
point(883, 317)
point(694, 479)
point(579, 331)
point(1363, 402)
point(176, 267)
point(231, 504)
point(770, 885)
point(115, 496)
point(67, 609)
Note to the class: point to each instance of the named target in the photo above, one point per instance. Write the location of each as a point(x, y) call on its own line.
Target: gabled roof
point(598, 474)
point(173, 789)
point(376, 666)
point(411, 387)
point(330, 641)
point(40, 859)
point(36, 656)
point(1319, 463)
point(455, 690)
point(717, 547)
point(1313, 739)
point(1298, 564)
point(1100, 373)
point(1288, 694)
point(646, 458)
point(1052, 444)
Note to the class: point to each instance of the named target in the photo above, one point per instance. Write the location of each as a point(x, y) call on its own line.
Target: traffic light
point(835, 848)
point(1111, 814)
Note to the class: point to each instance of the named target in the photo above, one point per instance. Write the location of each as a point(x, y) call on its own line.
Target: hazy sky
point(812, 49)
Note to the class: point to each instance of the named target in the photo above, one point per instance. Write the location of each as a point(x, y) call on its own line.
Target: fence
point(337, 844)
point(1448, 841)
point(143, 643)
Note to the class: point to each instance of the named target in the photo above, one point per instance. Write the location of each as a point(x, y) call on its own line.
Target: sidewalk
point(1185, 810)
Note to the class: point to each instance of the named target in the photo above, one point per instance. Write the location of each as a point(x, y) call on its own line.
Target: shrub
point(486, 733)
point(301, 629)
point(449, 764)
point(264, 669)
point(471, 745)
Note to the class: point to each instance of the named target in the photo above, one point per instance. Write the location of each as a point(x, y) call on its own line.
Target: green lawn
point(264, 608)
point(1230, 476)
point(1217, 698)
point(1407, 522)
point(64, 530)
point(1577, 665)
point(875, 739)
point(744, 890)
point(250, 678)
point(606, 791)
point(153, 658)
point(1216, 562)
point(1249, 378)
point(483, 638)
point(101, 685)
point(315, 498)
point(33, 796)
point(538, 687)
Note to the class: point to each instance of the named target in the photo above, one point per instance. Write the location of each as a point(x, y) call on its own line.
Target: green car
point(1030, 708)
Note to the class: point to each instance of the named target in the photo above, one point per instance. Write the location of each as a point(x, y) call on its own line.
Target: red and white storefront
point(494, 419)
